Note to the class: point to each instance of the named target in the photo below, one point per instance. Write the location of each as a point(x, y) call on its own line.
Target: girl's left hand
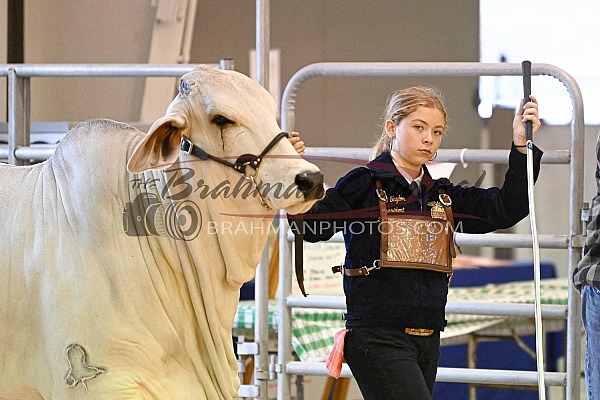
point(526, 112)
point(297, 143)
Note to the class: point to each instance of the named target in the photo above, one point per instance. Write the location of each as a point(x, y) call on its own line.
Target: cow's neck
point(209, 269)
point(234, 225)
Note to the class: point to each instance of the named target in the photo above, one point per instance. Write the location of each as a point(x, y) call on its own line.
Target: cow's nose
point(310, 184)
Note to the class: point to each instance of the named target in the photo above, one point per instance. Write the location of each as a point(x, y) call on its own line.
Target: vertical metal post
point(284, 322)
point(261, 330)
point(226, 63)
point(573, 356)
point(18, 114)
point(472, 362)
point(262, 42)
point(261, 326)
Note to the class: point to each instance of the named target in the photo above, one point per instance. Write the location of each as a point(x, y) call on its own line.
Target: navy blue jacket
point(404, 298)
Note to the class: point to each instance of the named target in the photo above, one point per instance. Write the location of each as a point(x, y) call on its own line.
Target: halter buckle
point(186, 145)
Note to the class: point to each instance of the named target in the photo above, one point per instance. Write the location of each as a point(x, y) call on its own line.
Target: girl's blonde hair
point(403, 102)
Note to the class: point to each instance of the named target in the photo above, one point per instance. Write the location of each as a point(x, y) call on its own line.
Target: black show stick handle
point(526, 66)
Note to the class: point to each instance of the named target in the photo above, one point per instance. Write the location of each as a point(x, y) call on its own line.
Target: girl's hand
point(526, 112)
point(297, 143)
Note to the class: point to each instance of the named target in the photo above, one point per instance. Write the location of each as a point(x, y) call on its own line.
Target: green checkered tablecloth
point(313, 329)
point(554, 291)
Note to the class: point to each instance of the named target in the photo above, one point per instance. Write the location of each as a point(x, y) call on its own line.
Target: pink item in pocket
point(334, 361)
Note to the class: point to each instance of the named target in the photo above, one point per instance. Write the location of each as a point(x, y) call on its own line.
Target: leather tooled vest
point(417, 241)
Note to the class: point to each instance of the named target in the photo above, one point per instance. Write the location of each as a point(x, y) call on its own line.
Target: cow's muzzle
point(310, 184)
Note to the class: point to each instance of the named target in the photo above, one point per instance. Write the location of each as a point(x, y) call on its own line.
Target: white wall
point(87, 31)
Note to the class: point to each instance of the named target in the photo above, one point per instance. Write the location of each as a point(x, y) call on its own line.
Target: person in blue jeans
point(586, 279)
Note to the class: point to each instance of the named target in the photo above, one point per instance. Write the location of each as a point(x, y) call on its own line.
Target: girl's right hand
point(297, 143)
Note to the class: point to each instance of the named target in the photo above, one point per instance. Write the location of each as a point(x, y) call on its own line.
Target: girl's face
point(417, 137)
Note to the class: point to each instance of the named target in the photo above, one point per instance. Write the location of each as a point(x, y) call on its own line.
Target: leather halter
point(240, 164)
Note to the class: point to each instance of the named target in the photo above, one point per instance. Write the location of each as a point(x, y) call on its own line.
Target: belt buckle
point(418, 331)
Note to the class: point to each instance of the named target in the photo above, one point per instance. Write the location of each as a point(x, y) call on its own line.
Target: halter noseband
point(240, 164)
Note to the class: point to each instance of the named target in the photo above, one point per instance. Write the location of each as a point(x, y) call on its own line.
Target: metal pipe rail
point(19, 92)
point(333, 154)
point(444, 155)
point(550, 311)
point(38, 152)
point(100, 70)
point(512, 240)
point(571, 241)
point(457, 375)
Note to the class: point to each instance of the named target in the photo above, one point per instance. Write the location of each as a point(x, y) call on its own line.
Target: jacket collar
point(383, 167)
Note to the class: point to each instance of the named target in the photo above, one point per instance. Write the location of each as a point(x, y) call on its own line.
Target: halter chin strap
point(240, 164)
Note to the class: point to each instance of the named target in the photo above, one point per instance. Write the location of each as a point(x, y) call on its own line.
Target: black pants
point(389, 364)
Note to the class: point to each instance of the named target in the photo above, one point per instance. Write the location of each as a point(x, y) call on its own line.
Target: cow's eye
point(221, 121)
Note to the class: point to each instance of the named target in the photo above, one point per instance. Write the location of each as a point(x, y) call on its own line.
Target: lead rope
point(539, 335)
point(299, 253)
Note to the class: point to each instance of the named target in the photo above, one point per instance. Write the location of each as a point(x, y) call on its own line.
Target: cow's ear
point(160, 147)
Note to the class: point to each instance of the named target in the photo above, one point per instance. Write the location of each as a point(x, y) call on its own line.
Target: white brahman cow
point(124, 285)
